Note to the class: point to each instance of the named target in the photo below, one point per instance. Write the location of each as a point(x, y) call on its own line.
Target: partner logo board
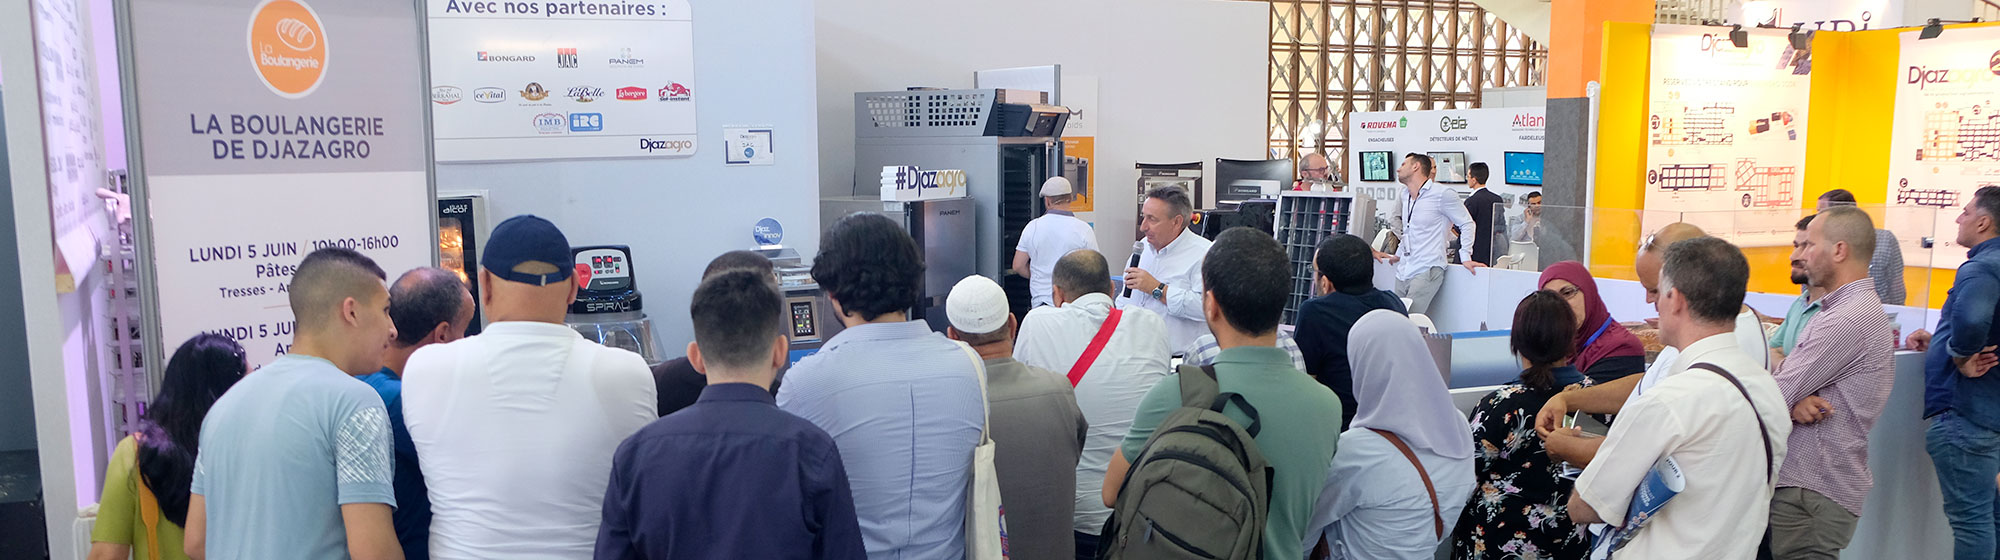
point(586, 69)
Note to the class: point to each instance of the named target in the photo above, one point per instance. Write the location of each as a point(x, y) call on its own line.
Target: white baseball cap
point(976, 305)
point(1056, 186)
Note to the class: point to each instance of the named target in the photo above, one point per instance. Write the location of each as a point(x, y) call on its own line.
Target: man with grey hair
point(430, 305)
point(1036, 427)
point(1726, 423)
point(1836, 382)
point(1168, 278)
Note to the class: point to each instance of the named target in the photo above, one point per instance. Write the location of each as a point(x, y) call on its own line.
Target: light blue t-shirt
point(282, 451)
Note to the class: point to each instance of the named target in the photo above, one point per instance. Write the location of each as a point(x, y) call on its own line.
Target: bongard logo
point(288, 47)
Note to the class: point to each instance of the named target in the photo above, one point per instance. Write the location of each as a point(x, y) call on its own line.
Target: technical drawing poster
point(1726, 141)
point(558, 80)
point(1945, 143)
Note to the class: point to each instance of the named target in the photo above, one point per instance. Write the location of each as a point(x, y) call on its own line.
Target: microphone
point(1137, 246)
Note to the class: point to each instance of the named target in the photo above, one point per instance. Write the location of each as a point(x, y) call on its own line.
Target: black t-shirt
point(1322, 336)
point(1480, 204)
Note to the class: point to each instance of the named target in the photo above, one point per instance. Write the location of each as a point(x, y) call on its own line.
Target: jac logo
point(1529, 121)
point(675, 146)
point(445, 95)
point(631, 94)
point(676, 92)
point(1448, 124)
point(565, 58)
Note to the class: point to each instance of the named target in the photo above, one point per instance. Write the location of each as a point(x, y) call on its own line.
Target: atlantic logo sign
point(1379, 125)
point(631, 94)
point(288, 47)
point(1529, 121)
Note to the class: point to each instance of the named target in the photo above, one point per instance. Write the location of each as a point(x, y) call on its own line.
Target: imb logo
point(565, 58)
point(287, 47)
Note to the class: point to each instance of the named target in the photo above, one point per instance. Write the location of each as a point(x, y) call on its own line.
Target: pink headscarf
point(1616, 340)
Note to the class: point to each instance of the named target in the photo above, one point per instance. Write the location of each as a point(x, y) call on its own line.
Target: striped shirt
point(1886, 268)
point(1844, 357)
point(1205, 350)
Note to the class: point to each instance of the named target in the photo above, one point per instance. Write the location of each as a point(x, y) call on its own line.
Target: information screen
point(1524, 168)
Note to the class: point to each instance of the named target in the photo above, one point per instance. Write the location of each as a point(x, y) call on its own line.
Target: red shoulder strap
point(1096, 347)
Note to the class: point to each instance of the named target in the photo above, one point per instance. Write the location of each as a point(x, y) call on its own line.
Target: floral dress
point(1520, 508)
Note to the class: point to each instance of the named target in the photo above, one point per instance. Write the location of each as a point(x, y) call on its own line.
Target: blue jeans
point(1967, 457)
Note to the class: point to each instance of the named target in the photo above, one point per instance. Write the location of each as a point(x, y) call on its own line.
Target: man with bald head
point(1611, 396)
point(295, 459)
point(430, 306)
point(1109, 383)
point(517, 426)
point(1836, 382)
point(1315, 173)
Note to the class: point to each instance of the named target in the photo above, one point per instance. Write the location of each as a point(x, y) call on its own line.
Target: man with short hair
point(1529, 228)
point(430, 306)
point(1248, 280)
point(1725, 427)
point(1424, 217)
point(902, 402)
point(1961, 395)
point(677, 383)
point(1611, 396)
point(296, 460)
point(1804, 308)
point(516, 426)
point(1315, 173)
point(1886, 265)
point(1343, 276)
point(1168, 279)
point(1045, 239)
point(1036, 428)
point(731, 476)
point(1133, 358)
point(1481, 205)
point(1836, 384)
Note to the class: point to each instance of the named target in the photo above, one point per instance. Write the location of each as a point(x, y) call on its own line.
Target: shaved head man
point(295, 459)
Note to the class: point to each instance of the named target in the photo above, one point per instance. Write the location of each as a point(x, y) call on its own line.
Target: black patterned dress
point(1520, 509)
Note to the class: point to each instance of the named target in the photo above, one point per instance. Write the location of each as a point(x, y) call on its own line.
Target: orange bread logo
point(288, 47)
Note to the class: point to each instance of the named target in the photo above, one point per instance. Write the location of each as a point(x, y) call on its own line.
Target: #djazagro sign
point(908, 182)
point(270, 129)
point(562, 80)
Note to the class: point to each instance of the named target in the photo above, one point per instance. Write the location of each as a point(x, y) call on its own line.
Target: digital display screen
point(802, 319)
point(1524, 168)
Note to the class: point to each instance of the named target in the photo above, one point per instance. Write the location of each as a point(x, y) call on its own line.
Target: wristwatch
point(1160, 293)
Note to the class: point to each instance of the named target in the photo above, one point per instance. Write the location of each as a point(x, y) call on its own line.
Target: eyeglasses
point(1569, 292)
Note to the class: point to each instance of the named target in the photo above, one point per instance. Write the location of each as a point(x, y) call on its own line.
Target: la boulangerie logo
point(288, 47)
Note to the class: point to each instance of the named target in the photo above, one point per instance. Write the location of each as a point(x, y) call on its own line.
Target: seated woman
point(145, 498)
point(1604, 350)
point(1521, 507)
point(1404, 470)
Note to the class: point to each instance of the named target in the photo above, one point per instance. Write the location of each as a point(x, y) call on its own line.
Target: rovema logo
point(676, 146)
point(288, 47)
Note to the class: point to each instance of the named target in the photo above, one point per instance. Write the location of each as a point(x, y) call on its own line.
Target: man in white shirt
point(1726, 430)
point(1612, 396)
point(1133, 359)
point(1168, 278)
point(517, 426)
point(1050, 237)
point(1425, 215)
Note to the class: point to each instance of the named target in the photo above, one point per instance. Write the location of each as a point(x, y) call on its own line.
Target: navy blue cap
point(524, 239)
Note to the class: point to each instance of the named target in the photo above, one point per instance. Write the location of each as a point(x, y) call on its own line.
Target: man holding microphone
point(1166, 276)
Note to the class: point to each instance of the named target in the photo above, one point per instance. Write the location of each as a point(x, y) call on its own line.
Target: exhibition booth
point(171, 161)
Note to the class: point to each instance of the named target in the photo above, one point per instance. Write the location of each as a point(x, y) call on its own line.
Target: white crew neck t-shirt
point(1046, 240)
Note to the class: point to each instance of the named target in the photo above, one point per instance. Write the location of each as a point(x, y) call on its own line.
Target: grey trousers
point(1808, 525)
point(1421, 289)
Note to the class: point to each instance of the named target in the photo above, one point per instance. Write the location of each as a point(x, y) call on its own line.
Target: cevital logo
point(1925, 77)
point(675, 146)
point(551, 123)
point(446, 95)
point(288, 47)
point(489, 95)
point(1451, 123)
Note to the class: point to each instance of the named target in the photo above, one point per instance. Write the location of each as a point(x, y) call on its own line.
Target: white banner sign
point(70, 131)
point(1507, 139)
point(1727, 133)
point(1945, 143)
point(548, 80)
point(306, 132)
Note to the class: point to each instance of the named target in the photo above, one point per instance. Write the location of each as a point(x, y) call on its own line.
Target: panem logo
point(288, 47)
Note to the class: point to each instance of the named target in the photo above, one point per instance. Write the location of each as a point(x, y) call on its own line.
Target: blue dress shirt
point(729, 477)
point(1965, 326)
point(905, 407)
point(413, 502)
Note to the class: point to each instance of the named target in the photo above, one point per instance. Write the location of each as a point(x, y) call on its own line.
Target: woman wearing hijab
point(1605, 350)
point(1522, 507)
point(1378, 503)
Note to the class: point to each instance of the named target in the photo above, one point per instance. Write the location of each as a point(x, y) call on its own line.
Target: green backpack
point(1200, 488)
